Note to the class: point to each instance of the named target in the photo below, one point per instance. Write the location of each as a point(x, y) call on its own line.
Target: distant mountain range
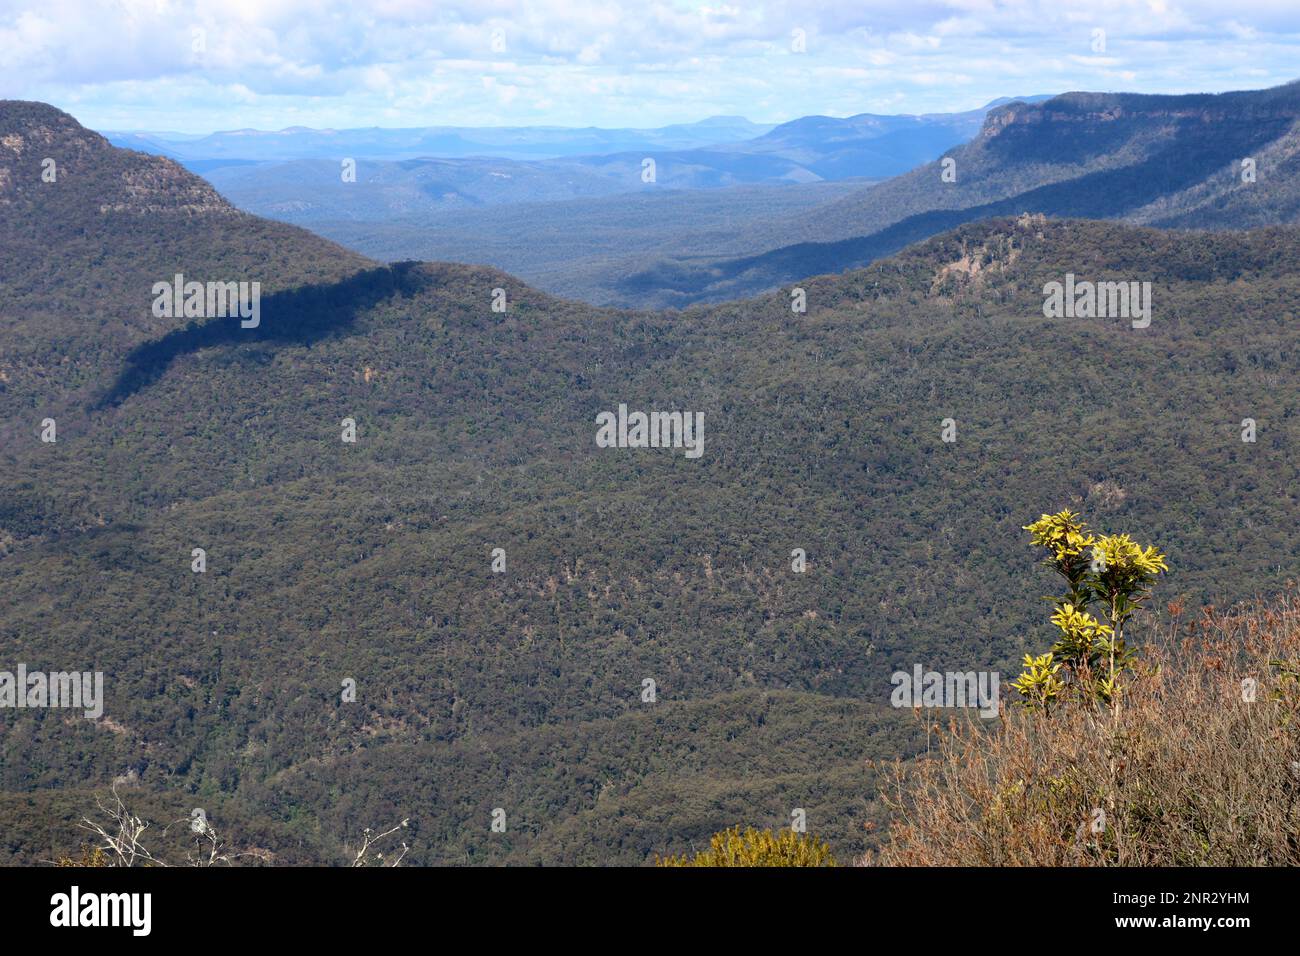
point(1200, 161)
point(812, 138)
point(1197, 161)
point(369, 564)
point(295, 174)
point(578, 225)
point(509, 142)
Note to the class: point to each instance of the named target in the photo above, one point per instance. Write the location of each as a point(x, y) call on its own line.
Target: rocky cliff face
point(1280, 103)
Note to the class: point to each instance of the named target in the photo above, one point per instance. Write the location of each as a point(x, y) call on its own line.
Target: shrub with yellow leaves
point(1112, 571)
point(752, 847)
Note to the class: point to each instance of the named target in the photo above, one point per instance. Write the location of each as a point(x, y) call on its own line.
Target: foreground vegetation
point(1199, 767)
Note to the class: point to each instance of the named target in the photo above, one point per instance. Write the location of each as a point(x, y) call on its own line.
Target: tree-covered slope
point(85, 229)
point(371, 562)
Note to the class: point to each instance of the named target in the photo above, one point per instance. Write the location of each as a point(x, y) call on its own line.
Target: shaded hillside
point(372, 562)
point(1154, 160)
point(81, 254)
point(1154, 146)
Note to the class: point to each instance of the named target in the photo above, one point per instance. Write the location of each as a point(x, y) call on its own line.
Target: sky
point(195, 66)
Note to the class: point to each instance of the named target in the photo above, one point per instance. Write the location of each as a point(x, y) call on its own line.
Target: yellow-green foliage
point(752, 847)
point(1112, 571)
point(90, 856)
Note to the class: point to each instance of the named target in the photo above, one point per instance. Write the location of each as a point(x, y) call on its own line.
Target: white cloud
point(130, 63)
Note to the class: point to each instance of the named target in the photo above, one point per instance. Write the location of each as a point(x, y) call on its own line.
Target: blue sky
point(266, 64)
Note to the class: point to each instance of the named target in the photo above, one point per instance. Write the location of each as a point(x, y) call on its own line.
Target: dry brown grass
point(1187, 774)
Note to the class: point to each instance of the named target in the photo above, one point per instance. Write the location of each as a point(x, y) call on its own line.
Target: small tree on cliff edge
point(1112, 572)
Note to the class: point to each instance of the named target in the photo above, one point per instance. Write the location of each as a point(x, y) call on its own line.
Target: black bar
point(335, 905)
